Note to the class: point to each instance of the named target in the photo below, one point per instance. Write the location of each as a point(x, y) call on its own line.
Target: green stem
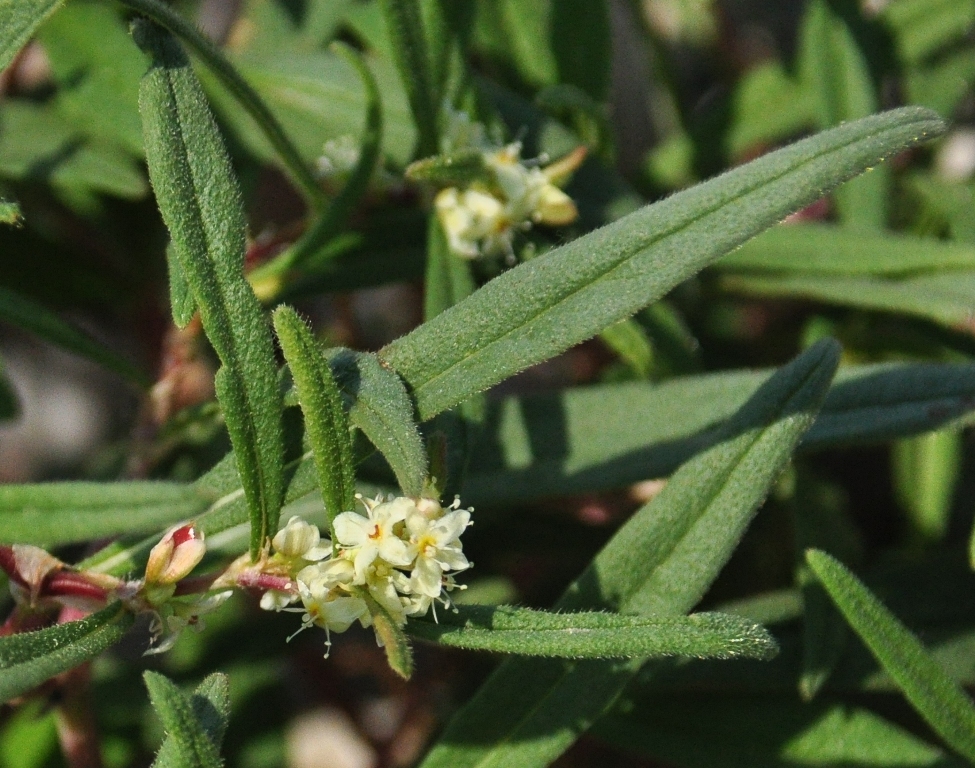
point(247, 96)
point(269, 279)
point(412, 59)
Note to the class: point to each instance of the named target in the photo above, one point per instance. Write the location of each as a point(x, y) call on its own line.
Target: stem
point(247, 96)
point(329, 224)
point(76, 726)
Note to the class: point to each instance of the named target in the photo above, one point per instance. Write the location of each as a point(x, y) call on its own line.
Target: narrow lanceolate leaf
point(835, 72)
point(181, 300)
point(596, 635)
point(399, 654)
point(211, 708)
point(200, 203)
point(382, 409)
point(597, 443)
point(191, 744)
point(321, 404)
point(659, 564)
point(835, 250)
point(550, 303)
point(31, 316)
point(411, 55)
point(28, 659)
point(937, 697)
point(53, 514)
point(19, 19)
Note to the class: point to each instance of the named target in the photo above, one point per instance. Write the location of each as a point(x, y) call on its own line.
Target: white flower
point(364, 539)
point(299, 539)
point(438, 549)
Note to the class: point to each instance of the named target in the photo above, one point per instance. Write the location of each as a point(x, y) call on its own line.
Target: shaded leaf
point(411, 54)
point(746, 732)
point(33, 317)
point(835, 71)
point(833, 250)
point(938, 699)
point(611, 435)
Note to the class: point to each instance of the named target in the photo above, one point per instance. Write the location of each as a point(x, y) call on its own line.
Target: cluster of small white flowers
point(482, 220)
point(400, 555)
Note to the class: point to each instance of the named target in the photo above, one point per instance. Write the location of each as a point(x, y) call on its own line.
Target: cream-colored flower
point(363, 539)
point(299, 539)
point(437, 548)
point(483, 219)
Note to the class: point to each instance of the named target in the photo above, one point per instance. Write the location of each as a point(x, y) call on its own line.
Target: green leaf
point(922, 27)
point(926, 469)
point(317, 96)
point(97, 70)
point(628, 340)
point(768, 106)
point(410, 52)
point(53, 514)
point(192, 746)
point(308, 251)
point(399, 654)
point(698, 731)
point(831, 250)
point(245, 95)
point(594, 635)
point(382, 409)
point(10, 213)
point(448, 277)
point(587, 438)
point(546, 305)
point(38, 143)
point(30, 658)
point(944, 297)
point(659, 563)
point(582, 44)
point(181, 299)
point(834, 69)
point(33, 317)
point(447, 170)
point(936, 697)
point(19, 19)
point(321, 404)
point(200, 203)
point(210, 703)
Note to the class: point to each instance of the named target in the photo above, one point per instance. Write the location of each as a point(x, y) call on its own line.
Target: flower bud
point(178, 553)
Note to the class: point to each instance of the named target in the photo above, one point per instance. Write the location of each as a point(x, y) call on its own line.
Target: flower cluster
point(483, 218)
point(398, 557)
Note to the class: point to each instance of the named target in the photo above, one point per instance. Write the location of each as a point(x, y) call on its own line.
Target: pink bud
point(178, 553)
